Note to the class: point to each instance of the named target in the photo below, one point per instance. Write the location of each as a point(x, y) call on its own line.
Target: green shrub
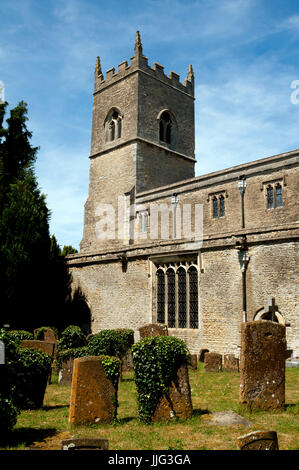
point(39, 333)
point(111, 367)
point(8, 415)
point(72, 337)
point(32, 370)
point(156, 360)
point(73, 353)
point(20, 335)
point(111, 343)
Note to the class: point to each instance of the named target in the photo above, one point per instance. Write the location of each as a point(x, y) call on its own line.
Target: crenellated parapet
point(140, 63)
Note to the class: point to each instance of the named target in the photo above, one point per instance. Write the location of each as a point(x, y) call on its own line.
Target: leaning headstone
point(201, 356)
point(262, 365)
point(85, 444)
point(192, 361)
point(92, 393)
point(2, 353)
point(66, 372)
point(153, 329)
point(230, 363)
point(177, 402)
point(258, 440)
point(213, 362)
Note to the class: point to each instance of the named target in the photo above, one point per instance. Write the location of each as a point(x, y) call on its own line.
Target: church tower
point(142, 137)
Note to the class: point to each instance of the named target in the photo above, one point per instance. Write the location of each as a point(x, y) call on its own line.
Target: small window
point(143, 222)
point(278, 195)
point(215, 207)
point(218, 206)
point(270, 198)
point(222, 205)
point(165, 128)
point(274, 196)
point(113, 125)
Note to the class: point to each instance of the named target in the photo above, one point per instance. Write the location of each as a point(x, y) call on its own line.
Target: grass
point(211, 392)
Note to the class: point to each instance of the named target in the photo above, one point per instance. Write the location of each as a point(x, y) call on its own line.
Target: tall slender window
point(221, 206)
point(215, 207)
point(182, 298)
point(278, 195)
point(113, 125)
point(193, 296)
point(165, 126)
point(171, 297)
point(270, 197)
point(160, 296)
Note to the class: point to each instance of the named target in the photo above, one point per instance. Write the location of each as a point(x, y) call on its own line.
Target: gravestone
point(85, 444)
point(202, 353)
point(44, 346)
point(2, 353)
point(262, 365)
point(153, 329)
point(66, 372)
point(192, 361)
point(92, 393)
point(213, 362)
point(127, 362)
point(258, 440)
point(177, 403)
point(230, 363)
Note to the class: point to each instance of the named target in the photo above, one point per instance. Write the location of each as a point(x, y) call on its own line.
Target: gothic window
point(160, 296)
point(218, 206)
point(113, 125)
point(221, 206)
point(274, 196)
point(171, 304)
point(143, 222)
point(177, 295)
point(193, 296)
point(165, 128)
point(182, 298)
point(215, 207)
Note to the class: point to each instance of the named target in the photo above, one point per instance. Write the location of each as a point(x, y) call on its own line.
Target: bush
point(72, 337)
point(111, 343)
point(20, 335)
point(31, 374)
point(8, 415)
point(39, 333)
point(73, 353)
point(156, 360)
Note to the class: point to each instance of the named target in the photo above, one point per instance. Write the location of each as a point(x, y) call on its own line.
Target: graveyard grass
point(211, 392)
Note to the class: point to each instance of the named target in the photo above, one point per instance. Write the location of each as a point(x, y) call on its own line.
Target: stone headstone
point(153, 329)
point(2, 353)
point(66, 372)
point(127, 362)
point(213, 362)
point(192, 361)
point(258, 440)
point(92, 393)
point(230, 363)
point(44, 346)
point(201, 356)
point(177, 403)
point(262, 365)
point(85, 444)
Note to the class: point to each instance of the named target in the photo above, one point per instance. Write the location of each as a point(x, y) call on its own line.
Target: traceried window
point(218, 206)
point(177, 295)
point(113, 126)
point(143, 221)
point(274, 196)
point(165, 128)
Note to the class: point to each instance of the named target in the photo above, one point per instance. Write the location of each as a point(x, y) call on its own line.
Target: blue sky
point(244, 55)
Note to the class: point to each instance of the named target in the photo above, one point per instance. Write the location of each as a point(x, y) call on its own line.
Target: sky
point(244, 55)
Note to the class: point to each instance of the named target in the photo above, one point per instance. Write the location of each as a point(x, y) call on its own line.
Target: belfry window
point(177, 295)
point(165, 128)
point(113, 126)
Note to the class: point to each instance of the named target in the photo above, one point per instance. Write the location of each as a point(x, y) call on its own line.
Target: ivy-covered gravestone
point(162, 379)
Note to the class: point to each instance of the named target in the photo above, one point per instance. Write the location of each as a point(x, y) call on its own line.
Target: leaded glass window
point(222, 206)
point(160, 296)
point(171, 298)
point(270, 197)
point(278, 195)
point(193, 296)
point(182, 298)
point(215, 207)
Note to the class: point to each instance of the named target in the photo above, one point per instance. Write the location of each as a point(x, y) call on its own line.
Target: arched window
point(165, 128)
point(278, 195)
point(113, 125)
point(193, 296)
point(182, 298)
point(160, 296)
point(171, 298)
point(221, 206)
point(215, 207)
point(270, 197)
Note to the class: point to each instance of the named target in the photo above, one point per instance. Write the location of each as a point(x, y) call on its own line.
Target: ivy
point(8, 415)
point(72, 353)
point(20, 335)
point(39, 333)
point(72, 337)
point(111, 367)
point(156, 360)
point(111, 342)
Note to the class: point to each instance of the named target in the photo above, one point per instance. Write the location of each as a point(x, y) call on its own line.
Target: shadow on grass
point(199, 412)
point(54, 407)
point(25, 436)
point(125, 420)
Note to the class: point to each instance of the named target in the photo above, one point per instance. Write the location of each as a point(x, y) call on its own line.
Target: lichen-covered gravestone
point(213, 362)
point(258, 440)
point(262, 365)
point(93, 394)
point(153, 329)
point(66, 372)
point(230, 363)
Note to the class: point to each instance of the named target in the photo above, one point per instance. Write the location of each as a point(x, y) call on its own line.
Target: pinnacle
point(98, 67)
point(138, 44)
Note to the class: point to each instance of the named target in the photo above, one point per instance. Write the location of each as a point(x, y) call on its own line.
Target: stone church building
point(199, 254)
